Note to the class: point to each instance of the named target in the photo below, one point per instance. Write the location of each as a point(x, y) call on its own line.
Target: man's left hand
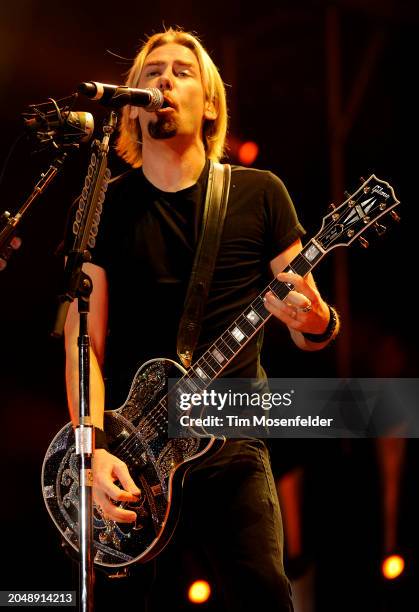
point(303, 309)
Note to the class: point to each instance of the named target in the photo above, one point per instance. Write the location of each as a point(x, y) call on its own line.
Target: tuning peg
point(331, 206)
point(346, 194)
point(364, 243)
point(361, 178)
point(380, 229)
point(395, 216)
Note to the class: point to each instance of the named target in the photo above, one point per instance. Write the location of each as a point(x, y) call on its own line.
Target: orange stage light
point(199, 592)
point(248, 153)
point(392, 567)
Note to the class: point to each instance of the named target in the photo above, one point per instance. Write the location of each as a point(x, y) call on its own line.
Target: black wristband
point(328, 332)
point(101, 440)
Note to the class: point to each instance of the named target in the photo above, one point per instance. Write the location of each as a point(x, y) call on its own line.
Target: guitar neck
point(248, 323)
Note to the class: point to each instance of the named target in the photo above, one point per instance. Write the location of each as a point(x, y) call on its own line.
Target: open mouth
point(167, 103)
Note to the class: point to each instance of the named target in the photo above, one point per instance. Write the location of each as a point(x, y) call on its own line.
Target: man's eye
point(183, 73)
point(152, 73)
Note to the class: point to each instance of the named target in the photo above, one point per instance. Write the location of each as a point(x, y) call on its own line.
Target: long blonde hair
point(129, 145)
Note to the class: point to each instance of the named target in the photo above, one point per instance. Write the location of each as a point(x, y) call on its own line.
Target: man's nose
point(164, 83)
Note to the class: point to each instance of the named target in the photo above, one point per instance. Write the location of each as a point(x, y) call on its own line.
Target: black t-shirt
point(146, 244)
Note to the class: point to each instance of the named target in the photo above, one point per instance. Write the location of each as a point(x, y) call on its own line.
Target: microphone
point(119, 95)
point(66, 126)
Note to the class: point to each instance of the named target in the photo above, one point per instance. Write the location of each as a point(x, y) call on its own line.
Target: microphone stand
point(8, 230)
point(78, 285)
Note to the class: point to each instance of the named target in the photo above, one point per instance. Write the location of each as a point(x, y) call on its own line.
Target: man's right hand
point(106, 469)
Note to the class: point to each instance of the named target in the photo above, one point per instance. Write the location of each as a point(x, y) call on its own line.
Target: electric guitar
point(138, 429)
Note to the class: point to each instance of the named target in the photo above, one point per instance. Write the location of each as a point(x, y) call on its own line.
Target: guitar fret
point(215, 365)
point(246, 326)
point(301, 265)
point(206, 366)
point(259, 307)
point(291, 267)
point(280, 289)
point(203, 369)
point(200, 377)
point(224, 349)
point(231, 343)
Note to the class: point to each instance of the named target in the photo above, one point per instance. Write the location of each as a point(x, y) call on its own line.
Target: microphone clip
point(53, 124)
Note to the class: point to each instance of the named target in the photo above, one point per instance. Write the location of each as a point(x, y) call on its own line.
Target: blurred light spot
point(392, 567)
point(248, 153)
point(199, 591)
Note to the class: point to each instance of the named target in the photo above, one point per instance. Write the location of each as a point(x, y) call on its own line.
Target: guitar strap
point(216, 198)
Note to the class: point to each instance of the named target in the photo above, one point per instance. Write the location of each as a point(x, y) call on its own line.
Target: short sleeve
point(283, 225)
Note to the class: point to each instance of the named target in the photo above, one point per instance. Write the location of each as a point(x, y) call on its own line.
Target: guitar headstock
point(361, 210)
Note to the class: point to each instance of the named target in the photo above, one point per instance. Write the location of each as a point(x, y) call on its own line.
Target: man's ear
point(210, 111)
point(133, 113)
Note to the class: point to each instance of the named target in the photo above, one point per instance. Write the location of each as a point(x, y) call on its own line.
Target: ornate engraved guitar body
point(138, 430)
point(138, 433)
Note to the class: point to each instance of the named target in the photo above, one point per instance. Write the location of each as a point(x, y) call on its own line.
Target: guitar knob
point(380, 229)
point(364, 243)
point(332, 206)
point(395, 216)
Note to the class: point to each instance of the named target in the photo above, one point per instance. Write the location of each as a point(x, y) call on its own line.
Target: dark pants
point(231, 514)
point(231, 524)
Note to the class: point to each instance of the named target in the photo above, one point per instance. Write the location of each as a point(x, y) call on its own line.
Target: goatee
point(162, 128)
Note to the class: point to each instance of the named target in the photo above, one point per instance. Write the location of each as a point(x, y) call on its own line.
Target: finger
point(124, 477)
point(280, 306)
point(114, 513)
point(104, 482)
point(298, 299)
point(287, 314)
point(298, 283)
point(118, 494)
